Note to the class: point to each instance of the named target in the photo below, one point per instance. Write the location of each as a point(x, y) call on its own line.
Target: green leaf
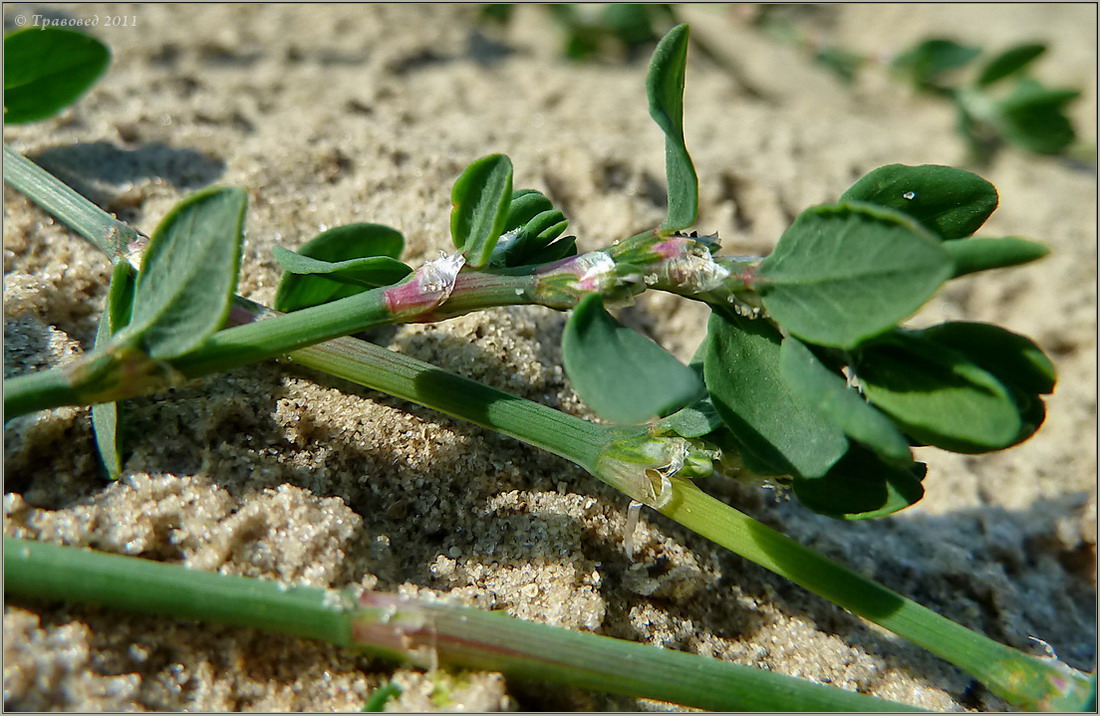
point(555, 251)
point(527, 244)
point(842, 63)
point(1010, 62)
point(622, 375)
point(694, 421)
point(830, 393)
point(526, 204)
point(481, 200)
point(336, 247)
point(927, 62)
point(1012, 358)
point(189, 273)
point(949, 202)
point(47, 69)
point(105, 416)
point(779, 432)
point(843, 273)
point(973, 255)
point(860, 487)
point(665, 89)
point(1032, 117)
point(937, 395)
point(368, 272)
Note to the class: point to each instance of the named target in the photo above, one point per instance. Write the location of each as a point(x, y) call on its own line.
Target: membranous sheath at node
point(643, 466)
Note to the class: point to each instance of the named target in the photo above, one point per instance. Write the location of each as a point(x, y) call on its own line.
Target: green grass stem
point(422, 633)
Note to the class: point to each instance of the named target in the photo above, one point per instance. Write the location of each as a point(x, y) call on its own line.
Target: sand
point(335, 114)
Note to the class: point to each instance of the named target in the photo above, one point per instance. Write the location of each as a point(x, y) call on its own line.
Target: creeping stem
point(417, 632)
point(632, 266)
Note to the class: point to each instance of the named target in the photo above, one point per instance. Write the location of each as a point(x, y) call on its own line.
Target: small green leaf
point(844, 273)
point(526, 204)
point(1010, 62)
point(622, 375)
point(665, 89)
point(368, 272)
point(949, 202)
point(1012, 358)
point(778, 431)
point(1033, 117)
point(830, 393)
point(533, 223)
point(694, 421)
point(927, 62)
point(339, 246)
point(105, 416)
point(860, 487)
point(481, 200)
point(973, 255)
point(554, 252)
point(937, 395)
point(47, 69)
point(189, 273)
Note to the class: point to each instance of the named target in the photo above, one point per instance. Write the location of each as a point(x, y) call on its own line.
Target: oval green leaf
point(47, 69)
point(951, 203)
point(480, 201)
point(619, 373)
point(1014, 359)
point(1033, 117)
point(861, 487)
point(189, 273)
point(926, 62)
point(1010, 62)
point(665, 90)
point(830, 393)
point(844, 273)
point(105, 416)
point(937, 395)
point(780, 434)
point(526, 204)
point(347, 243)
point(973, 255)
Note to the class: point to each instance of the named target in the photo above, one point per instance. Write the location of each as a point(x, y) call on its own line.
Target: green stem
point(404, 377)
point(1022, 680)
point(38, 391)
point(111, 236)
point(413, 631)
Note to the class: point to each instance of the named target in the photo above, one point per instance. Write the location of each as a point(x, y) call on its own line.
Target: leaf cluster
point(807, 373)
point(995, 99)
point(592, 31)
point(1000, 103)
point(824, 388)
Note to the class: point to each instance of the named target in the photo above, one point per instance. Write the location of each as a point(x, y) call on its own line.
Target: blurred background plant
point(997, 101)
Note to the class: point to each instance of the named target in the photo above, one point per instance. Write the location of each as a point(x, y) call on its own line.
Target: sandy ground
point(330, 115)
